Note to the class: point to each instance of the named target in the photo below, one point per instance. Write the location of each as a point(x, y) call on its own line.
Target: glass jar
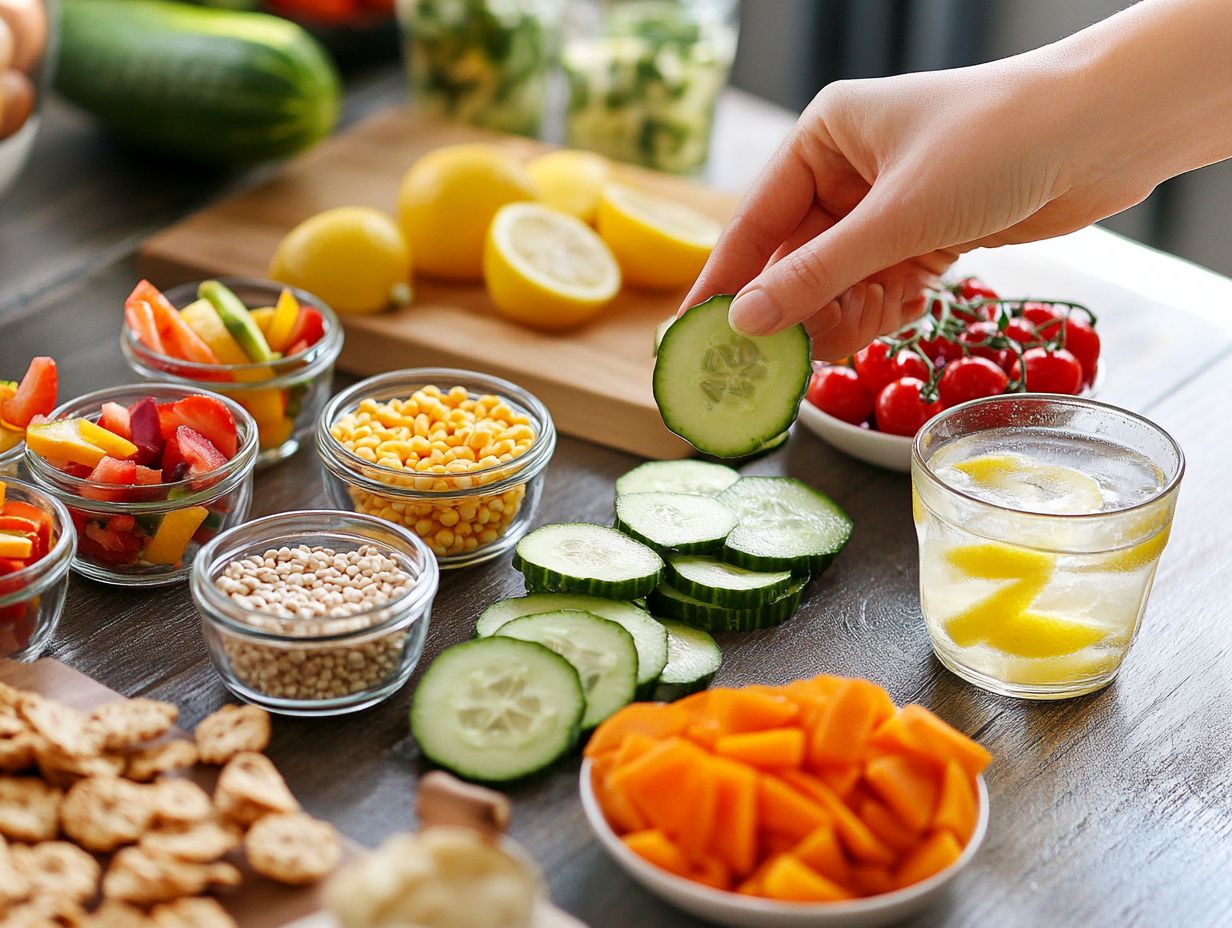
point(284, 396)
point(27, 60)
point(1041, 521)
point(644, 77)
point(465, 517)
point(32, 597)
point(315, 666)
point(117, 524)
point(483, 62)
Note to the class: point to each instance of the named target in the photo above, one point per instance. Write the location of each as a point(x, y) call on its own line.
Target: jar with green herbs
point(644, 77)
point(484, 62)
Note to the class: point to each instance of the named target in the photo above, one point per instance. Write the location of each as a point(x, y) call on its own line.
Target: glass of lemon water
point(1041, 521)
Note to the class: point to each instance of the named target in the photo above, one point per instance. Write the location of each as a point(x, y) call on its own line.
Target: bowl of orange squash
point(810, 804)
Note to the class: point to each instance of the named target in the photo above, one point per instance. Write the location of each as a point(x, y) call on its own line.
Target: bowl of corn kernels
point(455, 456)
point(315, 612)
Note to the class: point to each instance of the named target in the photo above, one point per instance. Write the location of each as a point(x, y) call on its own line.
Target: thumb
point(793, 288)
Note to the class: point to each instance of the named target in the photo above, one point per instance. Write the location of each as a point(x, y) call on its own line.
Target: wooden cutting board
point(596, 380)
point(258, 903)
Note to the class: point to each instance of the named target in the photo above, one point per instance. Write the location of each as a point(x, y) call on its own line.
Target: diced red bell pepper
point(146, 428)
point(198, 451)
point(140, 318)
point(115, 418)
point(35, 396)
point(108, 546)
point(177, 336)
point(204, 415)
point(28, 512)
point(309, 328)
point(148, 476)
point(121, 523)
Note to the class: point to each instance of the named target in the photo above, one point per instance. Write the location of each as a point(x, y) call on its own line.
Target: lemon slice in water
point(1018, 482)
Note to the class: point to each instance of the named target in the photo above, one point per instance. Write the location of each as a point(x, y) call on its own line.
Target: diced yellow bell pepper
point(174, 533)
point(61, 441)
point(15, 546)
point(272, 434)
point(115, 445)
point(262, 317)
point(266, 406)
point(3, 489)
point(203, 318)
point(10, 438)
point(285, 315)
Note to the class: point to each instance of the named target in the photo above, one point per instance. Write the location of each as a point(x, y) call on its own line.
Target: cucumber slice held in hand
point(701, 478)
point(497, 709)
point(784, 525)
point(693, 658)
point(669, 602)
point(601, 651)
point(674, 521)
point(238, 320)
point(649, 636)
point(726, 585)
point(725, 393)
point(582, 557)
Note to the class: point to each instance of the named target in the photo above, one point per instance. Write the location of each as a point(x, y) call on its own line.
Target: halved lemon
point(660, 244)
point(546, 269)
point(570, 181)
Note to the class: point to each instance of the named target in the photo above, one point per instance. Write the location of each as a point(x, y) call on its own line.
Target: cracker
point(11, 722)
point(45, 912)
point(14, 887)
point(29, 809)
point(17, 752)
point(222, 876)
point(192, 912)
point(292, 848)
point(148, 763)
point(58, 868)
point(64, 728)
point(202, 842)
point(102, 815)
point(249, 787)
point(140, 876)
point(230, 731)
point(64, 770)
point(11, 697)
point(114, 913)
point(133, 721)
point(181, 801)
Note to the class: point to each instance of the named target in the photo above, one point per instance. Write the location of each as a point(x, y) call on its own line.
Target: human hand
point(883, 183)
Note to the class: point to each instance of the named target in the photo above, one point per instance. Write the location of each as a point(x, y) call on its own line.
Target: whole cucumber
point(210, 86)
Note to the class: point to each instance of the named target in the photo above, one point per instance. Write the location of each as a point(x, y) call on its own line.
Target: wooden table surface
point(1114, 809)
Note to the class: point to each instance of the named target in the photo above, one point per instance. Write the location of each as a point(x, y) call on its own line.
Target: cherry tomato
point(1040, 314)
point(972, 288)
point(969, 379)
point(1050, 371)
point(908, 363)
point(900, 410)
point(979, 332)
point(1081, 340)
point(939, 350)
point(875, 366)
point(839, 392)
point(1022, 332)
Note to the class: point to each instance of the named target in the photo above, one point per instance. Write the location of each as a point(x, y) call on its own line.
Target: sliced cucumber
point(649, 637)
point(581, 557)
point(497, 709)
point(669, 602)
point(674, 521)
point(723, 584)
point(784, 525)
point(238, 320)
point(661, 330)
point(602, 653)
point(693, 657)
point(700, 478)
point(725, 393)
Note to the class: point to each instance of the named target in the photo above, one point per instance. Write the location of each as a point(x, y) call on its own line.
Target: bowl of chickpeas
point(455, 456)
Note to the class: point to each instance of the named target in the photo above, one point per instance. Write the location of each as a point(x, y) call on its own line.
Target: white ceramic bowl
point(893, 452)
point(751, 912)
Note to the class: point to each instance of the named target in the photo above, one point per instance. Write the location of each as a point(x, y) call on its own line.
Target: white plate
point(751, 912)
point(893, 452)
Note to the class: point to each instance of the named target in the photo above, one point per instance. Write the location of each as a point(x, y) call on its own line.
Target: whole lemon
point(352, 257)
point(447, 200)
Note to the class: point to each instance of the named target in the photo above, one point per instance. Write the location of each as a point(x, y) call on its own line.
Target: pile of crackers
point(101, 827)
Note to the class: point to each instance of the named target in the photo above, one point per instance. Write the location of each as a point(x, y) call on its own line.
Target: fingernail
point(754, 313)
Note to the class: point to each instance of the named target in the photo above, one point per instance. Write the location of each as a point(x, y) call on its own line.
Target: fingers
point(766, 216)
point(792, 289)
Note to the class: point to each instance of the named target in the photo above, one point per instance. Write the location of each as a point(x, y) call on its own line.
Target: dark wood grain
point(1110, 810)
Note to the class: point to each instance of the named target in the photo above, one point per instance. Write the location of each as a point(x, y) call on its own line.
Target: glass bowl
point(117, 524)
point(32, 598)
point(315, 666)
point(285, 396)
point(465, 518)
point(10, 461)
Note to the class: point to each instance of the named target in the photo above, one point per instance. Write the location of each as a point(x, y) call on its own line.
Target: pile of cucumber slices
point(614, 614)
